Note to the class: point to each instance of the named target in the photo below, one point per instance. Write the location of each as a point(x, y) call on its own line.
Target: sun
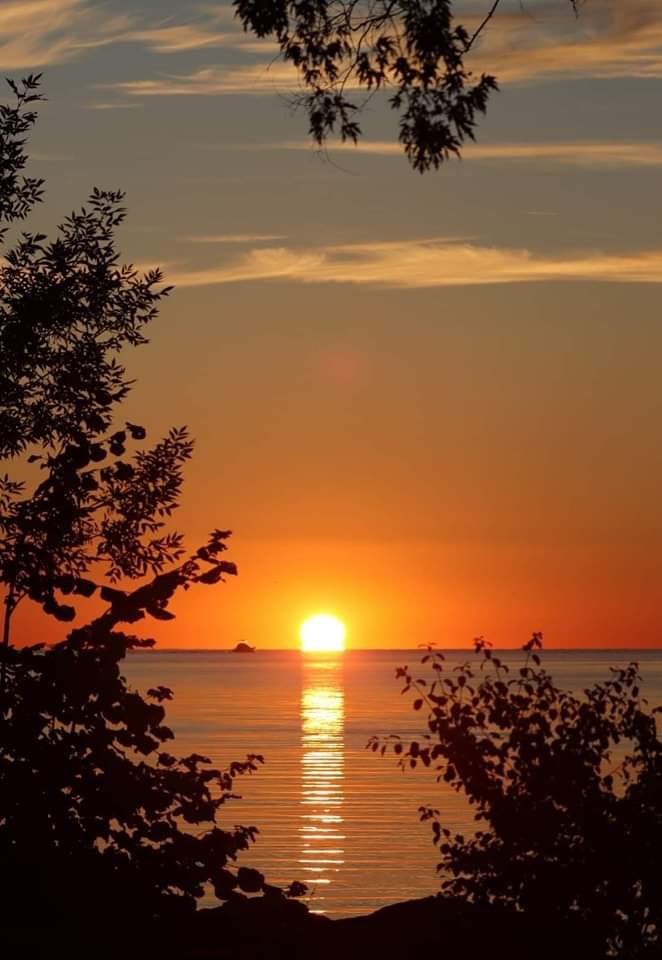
point(322, 634)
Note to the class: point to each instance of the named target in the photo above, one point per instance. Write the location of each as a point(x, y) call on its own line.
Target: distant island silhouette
point(243, 647)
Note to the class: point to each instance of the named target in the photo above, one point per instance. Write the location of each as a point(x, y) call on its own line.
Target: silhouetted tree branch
point(415, 49)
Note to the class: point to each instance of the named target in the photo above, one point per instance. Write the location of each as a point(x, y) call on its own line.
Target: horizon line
point(422, 649)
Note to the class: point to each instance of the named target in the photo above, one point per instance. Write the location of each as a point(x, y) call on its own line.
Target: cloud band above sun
point(423, 264)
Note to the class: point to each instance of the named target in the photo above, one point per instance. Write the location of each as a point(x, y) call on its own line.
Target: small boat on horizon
point(243, 647)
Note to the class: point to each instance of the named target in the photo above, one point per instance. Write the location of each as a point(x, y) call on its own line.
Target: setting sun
point(322, 633)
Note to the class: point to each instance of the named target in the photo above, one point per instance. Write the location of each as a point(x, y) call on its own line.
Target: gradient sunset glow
point(434, 399)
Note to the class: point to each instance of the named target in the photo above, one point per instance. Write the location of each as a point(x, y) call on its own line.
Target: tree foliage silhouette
point(96, 816)
point(416, 49)
point(568, 788)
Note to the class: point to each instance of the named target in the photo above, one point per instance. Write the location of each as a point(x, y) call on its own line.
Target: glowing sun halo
point(322, 634)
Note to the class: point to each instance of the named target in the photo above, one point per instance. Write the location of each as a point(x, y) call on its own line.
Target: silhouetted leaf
point(213, 575)
point(137, 433)
point(65, 583)
point(63, 612)
point(97, 452)
point(159, 613)
point(84, 587)
point(249, 880)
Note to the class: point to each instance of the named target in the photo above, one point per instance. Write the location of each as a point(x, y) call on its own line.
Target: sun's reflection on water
point(322, 772)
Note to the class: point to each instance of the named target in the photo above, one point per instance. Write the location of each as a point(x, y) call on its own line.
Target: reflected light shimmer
point(322, 773)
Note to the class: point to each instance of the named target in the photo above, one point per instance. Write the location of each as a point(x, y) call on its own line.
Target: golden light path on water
point(322, 772)
point(329, 811)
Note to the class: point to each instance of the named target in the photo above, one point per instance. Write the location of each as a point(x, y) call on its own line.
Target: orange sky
point(427, 405)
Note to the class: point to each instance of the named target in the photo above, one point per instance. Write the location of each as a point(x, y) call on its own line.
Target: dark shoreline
point(274, 928)
point(436, 926)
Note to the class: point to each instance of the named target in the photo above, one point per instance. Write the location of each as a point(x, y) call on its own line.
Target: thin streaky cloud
point(423, 264)
point(209, 26)
point(256, 78)
point(110, 105)
point(230, 238)
point(176, 38)
point(577, 153)
point(48, 156)
point(168, 37)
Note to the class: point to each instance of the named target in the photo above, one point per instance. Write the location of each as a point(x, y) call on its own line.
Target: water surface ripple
point(330, 813)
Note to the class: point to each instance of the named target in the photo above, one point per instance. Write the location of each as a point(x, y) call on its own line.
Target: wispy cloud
point(423, 263)
point(36, 33)
point(255, 78)
point(610, 38)
point(234, 238)
point(172, 37)
point(582, 154)
point(111, 105)
point(175, 38)
point(611, 154)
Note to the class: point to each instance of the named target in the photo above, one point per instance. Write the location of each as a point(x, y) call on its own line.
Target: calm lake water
point(331, 813)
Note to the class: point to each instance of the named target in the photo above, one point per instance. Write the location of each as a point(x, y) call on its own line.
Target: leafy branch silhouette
point(415, 49)
point(566, 786)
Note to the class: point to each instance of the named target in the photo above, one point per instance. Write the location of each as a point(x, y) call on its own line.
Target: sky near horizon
point(429, 405)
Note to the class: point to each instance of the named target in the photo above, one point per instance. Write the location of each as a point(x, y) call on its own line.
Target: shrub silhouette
point(568, 788)
point(97, 818)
